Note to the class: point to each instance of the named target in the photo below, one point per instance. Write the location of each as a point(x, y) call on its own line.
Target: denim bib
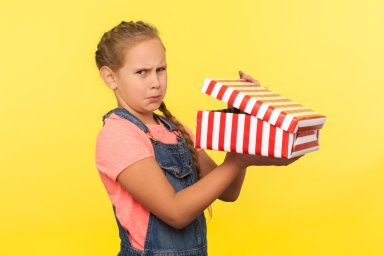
point(176, 162)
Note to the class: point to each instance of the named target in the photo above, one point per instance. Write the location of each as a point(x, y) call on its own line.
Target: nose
point(155, 83)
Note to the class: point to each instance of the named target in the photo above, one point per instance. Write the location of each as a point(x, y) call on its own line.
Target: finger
point(248, 78)
point(252, 80)
point(256, 82)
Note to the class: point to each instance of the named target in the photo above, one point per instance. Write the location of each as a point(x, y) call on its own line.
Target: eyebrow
point(148, 68)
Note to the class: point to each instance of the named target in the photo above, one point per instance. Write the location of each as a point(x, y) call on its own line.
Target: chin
point(154, 107)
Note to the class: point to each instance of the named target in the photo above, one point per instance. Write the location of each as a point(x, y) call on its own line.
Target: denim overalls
point(176, 162)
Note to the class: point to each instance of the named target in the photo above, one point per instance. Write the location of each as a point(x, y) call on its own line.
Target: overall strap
point(168, 124)
point(122, 112)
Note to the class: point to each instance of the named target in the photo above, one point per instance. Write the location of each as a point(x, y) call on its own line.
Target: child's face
point(142, 80)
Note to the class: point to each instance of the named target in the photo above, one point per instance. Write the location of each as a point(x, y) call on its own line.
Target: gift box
point(261, 122)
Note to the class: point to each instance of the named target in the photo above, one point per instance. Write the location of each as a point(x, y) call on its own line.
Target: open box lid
point(264, 104)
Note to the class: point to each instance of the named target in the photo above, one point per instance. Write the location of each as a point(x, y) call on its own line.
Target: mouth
point(154, 98)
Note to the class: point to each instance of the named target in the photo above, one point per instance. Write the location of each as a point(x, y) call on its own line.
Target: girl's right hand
point(245, 160)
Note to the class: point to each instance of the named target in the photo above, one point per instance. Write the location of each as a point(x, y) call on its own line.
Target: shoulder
point(116, 127)
point(119, 144)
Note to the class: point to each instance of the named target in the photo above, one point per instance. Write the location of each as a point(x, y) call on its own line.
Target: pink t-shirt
point(120, 144)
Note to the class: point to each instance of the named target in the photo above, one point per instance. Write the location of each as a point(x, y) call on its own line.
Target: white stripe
point(204, 129)
point(267, 98)
point(237, 83)
point(240, 133)
point(259, 93)
point(248, 88)
point(305, 139)
point(263, 108)
point(250, 104)
point(290, 144)
point(278, 142)
point(274, 116)
point(310, 122)
point(304, 151)
point(205, 85)
point(283, 103)
point(286, 123)
point(216, 90)
point(226, 95)
point(228, 132)
point(238, 100)
point(252, 136)
point(292, 108)
point(304, 113)
point(216, 129)
point(265, 139)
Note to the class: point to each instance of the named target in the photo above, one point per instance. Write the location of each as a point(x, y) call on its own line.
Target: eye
point(161, 69)
point(141, 72)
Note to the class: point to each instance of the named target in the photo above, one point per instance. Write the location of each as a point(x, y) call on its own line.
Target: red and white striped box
point(261, 123)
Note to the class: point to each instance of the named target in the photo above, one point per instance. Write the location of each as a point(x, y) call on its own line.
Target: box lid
point(264, 104)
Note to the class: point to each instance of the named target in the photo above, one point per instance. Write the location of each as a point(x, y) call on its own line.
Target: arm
point(146, 182)
point(233, 191)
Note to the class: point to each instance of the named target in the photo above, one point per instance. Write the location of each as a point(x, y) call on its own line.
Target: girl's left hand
point(248, 78)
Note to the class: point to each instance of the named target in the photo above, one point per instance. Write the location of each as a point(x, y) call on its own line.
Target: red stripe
point(310, 128)
point(259, 136)
point(244, 102)
point(306, 145)
point(198, 129)
point(255, 108)
point(285, 144)
point(232, 97)
point(210, 87)
point(272, 136)
point(293, 125)
point(247, 126)
point(221, 92)
point(280, 119)
point(210, 130)
point(303, 134)
point(234, 132)
point(268, 113)
point(222, 130)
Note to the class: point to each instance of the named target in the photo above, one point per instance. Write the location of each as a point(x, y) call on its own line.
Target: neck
point(147, 118)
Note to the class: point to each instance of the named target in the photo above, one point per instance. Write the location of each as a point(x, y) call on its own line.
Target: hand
point(248, 78)
point(245, 160)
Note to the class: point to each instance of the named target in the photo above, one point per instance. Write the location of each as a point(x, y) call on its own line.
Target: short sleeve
point(120, 144)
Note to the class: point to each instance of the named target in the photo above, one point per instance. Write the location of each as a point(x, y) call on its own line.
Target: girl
point(159, 185)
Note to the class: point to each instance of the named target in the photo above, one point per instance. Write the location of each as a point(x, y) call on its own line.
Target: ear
point(108, 76)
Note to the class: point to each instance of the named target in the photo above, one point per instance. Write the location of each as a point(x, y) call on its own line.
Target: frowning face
point(142, 80)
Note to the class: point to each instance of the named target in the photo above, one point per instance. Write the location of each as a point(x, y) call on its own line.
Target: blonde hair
point(111, 51)
point(115, 42)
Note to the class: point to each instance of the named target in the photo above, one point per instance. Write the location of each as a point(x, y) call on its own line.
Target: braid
point(185, 134)
point(189, 141)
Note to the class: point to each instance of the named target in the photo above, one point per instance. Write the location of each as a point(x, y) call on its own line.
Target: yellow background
point(327, 55)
